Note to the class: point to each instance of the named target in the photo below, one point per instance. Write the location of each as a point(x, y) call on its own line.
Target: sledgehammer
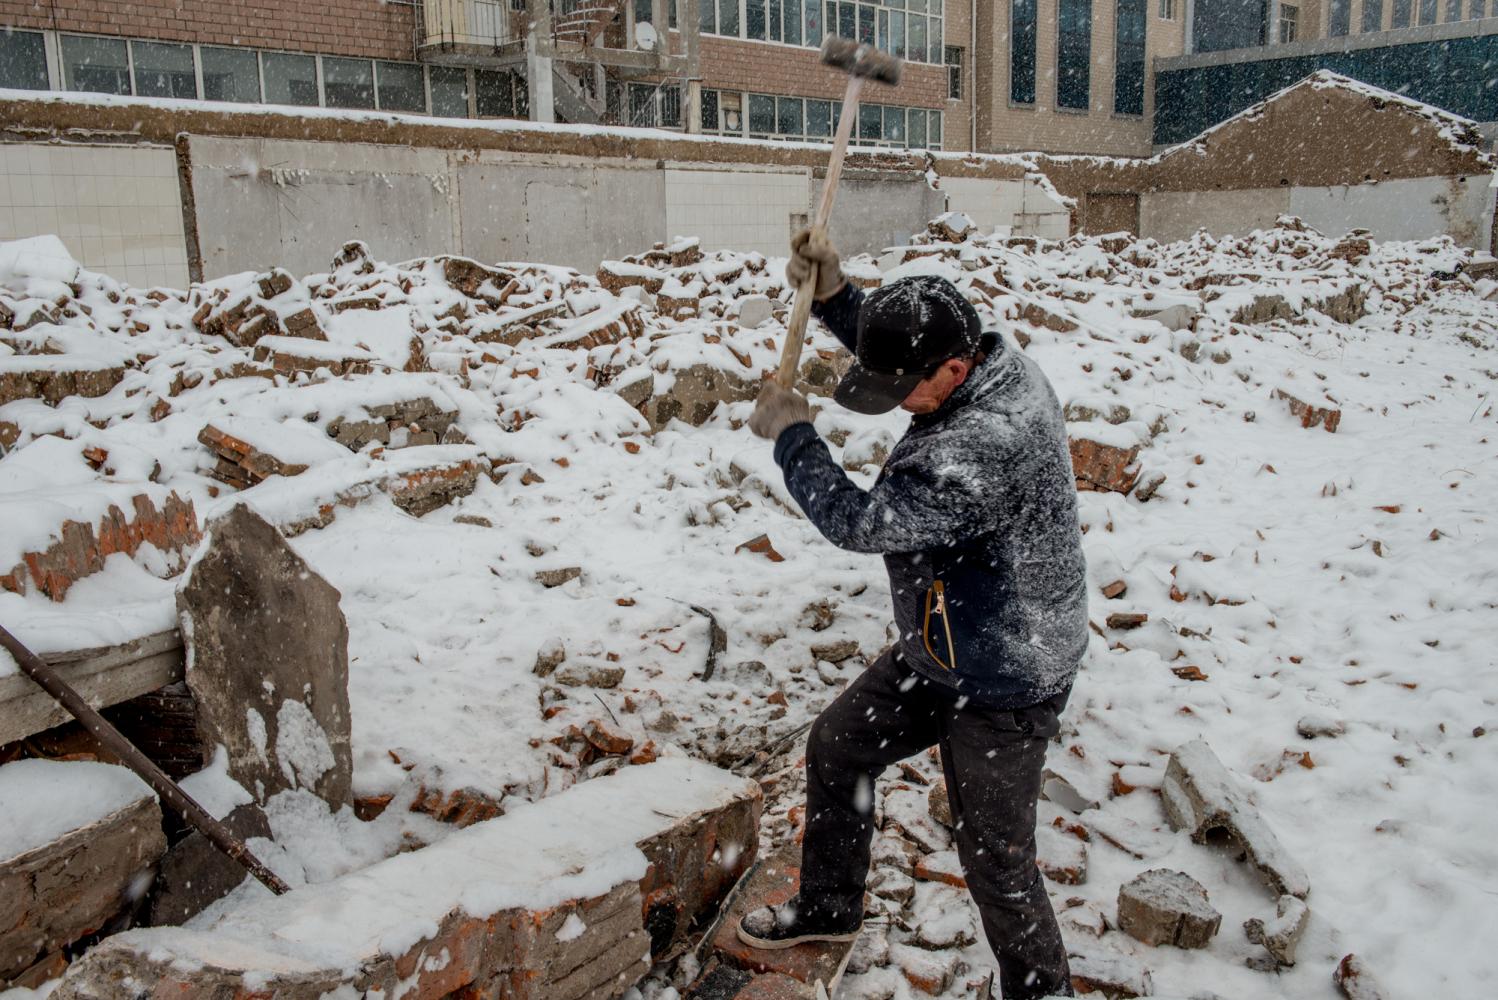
point(861, 62)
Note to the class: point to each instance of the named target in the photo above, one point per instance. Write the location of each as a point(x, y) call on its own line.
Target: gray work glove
point(778, 409)
point(810, 247)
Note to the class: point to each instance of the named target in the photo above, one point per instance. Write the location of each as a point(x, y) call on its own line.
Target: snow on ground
point(1345, 578)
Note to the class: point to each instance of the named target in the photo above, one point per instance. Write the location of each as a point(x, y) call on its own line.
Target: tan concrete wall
point(742, 209)
point(1177, 215)
point(1005, 127)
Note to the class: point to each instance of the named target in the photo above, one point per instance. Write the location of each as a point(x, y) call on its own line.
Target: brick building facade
point(991, 75)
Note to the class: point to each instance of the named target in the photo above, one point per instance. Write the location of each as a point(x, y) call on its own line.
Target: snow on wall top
point(576, 845)
point(42, 800)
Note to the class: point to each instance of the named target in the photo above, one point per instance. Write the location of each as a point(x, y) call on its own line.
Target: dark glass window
point(953, 58)
point(1128, 52)
point(847, 20)
point(776, 13)
point(818, 119)
point(812, 16)
point(1339, 19)
point(754, 19)
point(897, 34)
point(449, 91)
point(164, 70)
point(348, 83)
point(23, 60)
point(230, 74)
point(761, 114)
point(289, 78)
point(1073, 53)
point(728, 17)
point(789, 116)
point(870, 121)
point(96, 64)
point(401, 87)
point(793, 21)
point(1453, 10)
point(710, 110)
point(1428, 11)
point(1404, 12)
point(933, 130)
point(915, 136)
point(1373, 15)
point(1022, 51)
point(500, 94)
point(894, 124)
point(707, 17)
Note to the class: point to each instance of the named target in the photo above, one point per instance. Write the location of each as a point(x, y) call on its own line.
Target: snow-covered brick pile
point(77, 846)
point(545, 903)
point(607, 567)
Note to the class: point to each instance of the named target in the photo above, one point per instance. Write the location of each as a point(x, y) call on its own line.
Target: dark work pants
point(992, 759)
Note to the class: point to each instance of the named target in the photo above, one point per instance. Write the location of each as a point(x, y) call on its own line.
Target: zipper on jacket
point(937, 592)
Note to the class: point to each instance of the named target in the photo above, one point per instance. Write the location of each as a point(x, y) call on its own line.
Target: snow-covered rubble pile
point(584, 555)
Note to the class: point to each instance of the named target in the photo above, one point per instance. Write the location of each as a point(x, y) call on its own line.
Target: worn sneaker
point(791, 923)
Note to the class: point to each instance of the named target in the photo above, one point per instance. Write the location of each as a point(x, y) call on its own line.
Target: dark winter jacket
point(975, 514)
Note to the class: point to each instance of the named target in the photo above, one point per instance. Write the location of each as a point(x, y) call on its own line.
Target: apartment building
point(992, 75)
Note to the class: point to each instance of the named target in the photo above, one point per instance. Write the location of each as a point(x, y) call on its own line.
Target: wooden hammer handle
point(795, 331)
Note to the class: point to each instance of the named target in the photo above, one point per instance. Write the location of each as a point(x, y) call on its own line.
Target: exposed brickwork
point(63, 891)
point(80, 549)
point(797, 71)
point(332, 27)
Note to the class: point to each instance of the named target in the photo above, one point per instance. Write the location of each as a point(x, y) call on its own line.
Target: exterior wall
point(742, 209)
point(1005, 127)
point(334, 27)
point(118, 210)
point(1020, 204)
point(875, 211)
point(1177, 215)
point(796, 71)
point(265, 201)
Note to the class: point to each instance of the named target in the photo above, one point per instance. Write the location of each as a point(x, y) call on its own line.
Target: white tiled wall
point(117, 209)
point(738, 209)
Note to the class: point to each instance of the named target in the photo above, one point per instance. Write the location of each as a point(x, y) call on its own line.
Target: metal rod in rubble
point(113, 740)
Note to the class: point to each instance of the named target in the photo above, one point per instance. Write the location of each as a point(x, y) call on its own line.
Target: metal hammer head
point(860, 59)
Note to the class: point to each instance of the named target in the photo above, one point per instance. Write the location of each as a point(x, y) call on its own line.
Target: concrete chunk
point(1201, 797)
point(1281, 935)
point(1167, 907)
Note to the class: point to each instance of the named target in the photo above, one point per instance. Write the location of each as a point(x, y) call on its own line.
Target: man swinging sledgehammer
point(975, 514)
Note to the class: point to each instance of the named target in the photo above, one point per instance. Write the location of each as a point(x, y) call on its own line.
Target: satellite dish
point(645, 36)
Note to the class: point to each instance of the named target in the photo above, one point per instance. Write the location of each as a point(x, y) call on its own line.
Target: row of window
point(250, 76)
point(1403, 14)
point(762, 116)
point(1074, 53)
point(911, 29)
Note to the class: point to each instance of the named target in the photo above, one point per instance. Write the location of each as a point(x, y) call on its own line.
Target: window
point(163, 70)
point(915, 135)
point(1073, 54)
point(1373, 15)
point(1167, 10)
point(1128, 58)
point(761, 114)
point(894, 124)
point(754, 19)
point(954, 73)
point(790, 116)
point(775, 13)
point(1403, 13)
point(401, 87)
point(500, 94)
point(1453, 10)
point(818, 119)
point(870, 122)
point(710, 110)
point(1022, 51)
point(1478, 10)
point(728, 17)
point(1339, 19)
point(289, 79)
point(933, 129)
point(707, 17)
point(449, 91)
point(23, 60)
point(348, 83)
point(1428, 11)
point(95, 64)
point(230, 74)
point(1288, 17)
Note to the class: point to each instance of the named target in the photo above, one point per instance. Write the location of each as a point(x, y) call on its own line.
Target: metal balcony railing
point(462, 23)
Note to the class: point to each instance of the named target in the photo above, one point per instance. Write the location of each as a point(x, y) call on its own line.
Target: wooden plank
point(104, 676)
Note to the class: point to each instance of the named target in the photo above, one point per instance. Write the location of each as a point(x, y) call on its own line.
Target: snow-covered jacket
point(975, 513)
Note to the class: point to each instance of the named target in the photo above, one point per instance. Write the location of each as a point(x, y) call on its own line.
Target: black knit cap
point(906, 329)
